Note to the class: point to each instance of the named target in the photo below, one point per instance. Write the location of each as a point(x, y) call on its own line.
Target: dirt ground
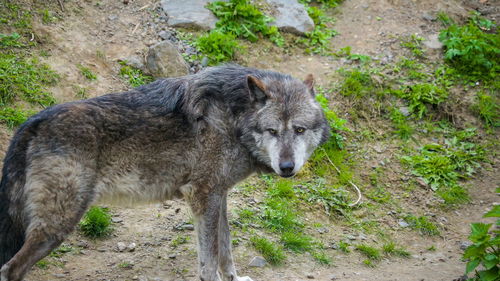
point(97, 34)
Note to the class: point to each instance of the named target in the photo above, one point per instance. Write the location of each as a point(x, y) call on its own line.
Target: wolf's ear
point(257, 89)
point(310, 84)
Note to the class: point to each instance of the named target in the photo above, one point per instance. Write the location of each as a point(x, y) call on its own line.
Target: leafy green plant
point(484, 254)
point(217, 46)
point(419, 96)
point(179, 240)
point(441, 166)
point(414, 44)
point(96, 223)
point(87, 73)
point(344, 246)
point(402, 128)
point(337, 124)
point(318, 40)
point(471, 49)
point(422, 224)
point(487, 108)
point(271, 252)
point(135, 76)
point(244, 20)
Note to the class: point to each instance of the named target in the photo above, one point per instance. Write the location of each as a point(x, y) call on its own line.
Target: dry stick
point(338, 171)
point(61, 4)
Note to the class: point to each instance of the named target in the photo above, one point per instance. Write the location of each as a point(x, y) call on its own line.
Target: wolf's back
point(13, 179)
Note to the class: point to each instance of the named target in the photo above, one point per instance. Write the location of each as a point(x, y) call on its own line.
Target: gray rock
point(204, 61)
point(257, 262)
point(165, 35)
point(429, 17)
point(135, 62)
point(291, 16)
point(131, 247)
point(433, 42)
point(164, 60)
point(189, 14)
point(403, 223)
point(58, 275)
point(405, 110)
point(464, 245)
point(116, 220)
point(310, 276)
point(121, 246)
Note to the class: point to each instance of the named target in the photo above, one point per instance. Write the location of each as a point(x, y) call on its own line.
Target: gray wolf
point(192, 137)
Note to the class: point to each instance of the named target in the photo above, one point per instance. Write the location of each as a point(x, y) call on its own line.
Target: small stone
point(131, 247)
point(204, 61)
point(323, 230)
point(428, 17)
point(165, 35)
point(464, 245)
point(405, 110)
point(310, 276)
point(257, 262)
point(433, 42)
point(403, 223)
point(362, 237)
point(82, 244)
point(164, 60)
point(121, 246)
point(187, 226)
point(172, 256)
point(113, 17)
point(351, 237)
point(58, 275)
point(135, 62)
point(116, 220)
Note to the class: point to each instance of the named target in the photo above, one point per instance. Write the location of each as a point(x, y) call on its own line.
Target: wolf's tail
point(12, 232)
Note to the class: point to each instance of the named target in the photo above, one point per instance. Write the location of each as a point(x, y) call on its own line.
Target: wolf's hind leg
point(226, 264)
point(57, 194)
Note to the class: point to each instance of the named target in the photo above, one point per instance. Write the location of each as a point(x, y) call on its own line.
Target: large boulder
point(164, 60)
point(291, 16)
point(189, 14)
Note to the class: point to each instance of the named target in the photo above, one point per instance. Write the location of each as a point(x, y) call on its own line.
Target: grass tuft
point(96, 223)
point(370, 252)
point(271, 252)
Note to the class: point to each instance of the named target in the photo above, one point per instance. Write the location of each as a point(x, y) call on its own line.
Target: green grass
point(87, 72)
point(273, 253)
point(125, 265)
point(134, 76)
point(179, 240)
point(60, 251)
point(321, 257)
point(297, 242)
point(370, 252)
point(344, 246)
point(487, 108)
point(422, 224)
point(13, 117)
point(392, 249)
point(42, 264)
point(96, 223)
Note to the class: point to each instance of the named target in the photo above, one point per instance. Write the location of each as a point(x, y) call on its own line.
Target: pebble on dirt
point(164, 60)
point(257, 262)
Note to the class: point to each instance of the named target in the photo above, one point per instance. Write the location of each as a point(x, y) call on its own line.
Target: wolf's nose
point(287, 167)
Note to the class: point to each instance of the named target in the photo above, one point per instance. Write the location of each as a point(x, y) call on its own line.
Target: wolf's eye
point(272, 132)
point(300, 130)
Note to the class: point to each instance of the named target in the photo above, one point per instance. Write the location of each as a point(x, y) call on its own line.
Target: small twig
point(135, 28)
point(61, 5)
point(353, 184)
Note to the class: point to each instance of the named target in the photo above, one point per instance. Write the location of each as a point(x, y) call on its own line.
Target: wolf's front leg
point(206, 210)
point(226, 265)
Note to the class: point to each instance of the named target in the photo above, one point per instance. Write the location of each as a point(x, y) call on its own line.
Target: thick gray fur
point(192, 137)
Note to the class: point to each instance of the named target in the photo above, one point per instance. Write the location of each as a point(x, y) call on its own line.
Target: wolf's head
point(286, 123)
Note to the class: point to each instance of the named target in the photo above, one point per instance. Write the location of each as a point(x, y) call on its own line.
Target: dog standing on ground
point(192, 137)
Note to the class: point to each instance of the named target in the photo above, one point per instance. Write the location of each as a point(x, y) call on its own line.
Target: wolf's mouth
point(287, 175)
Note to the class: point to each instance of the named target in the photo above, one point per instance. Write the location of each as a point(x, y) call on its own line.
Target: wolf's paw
point(243, 278)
